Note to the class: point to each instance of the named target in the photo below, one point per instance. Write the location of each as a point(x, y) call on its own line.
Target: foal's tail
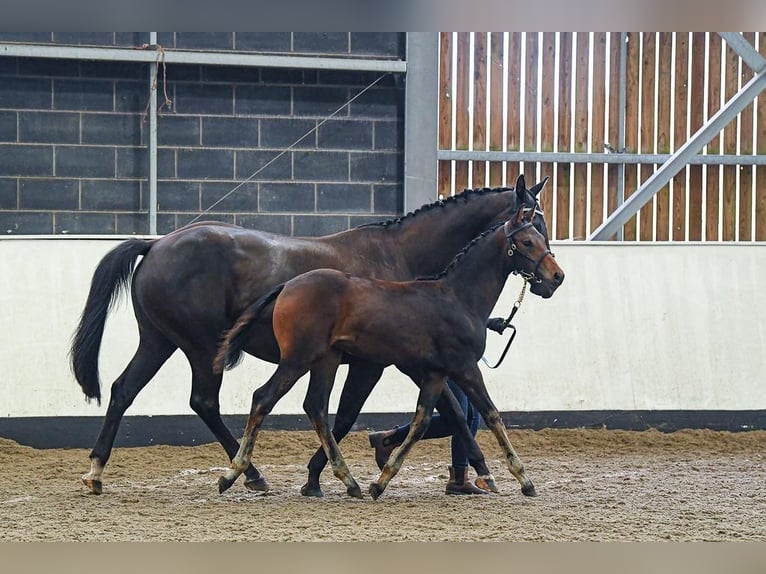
point(109, 280)
point(230, 348)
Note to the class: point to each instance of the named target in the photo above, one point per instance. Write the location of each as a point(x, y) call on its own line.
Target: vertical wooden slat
point(548, 119)
point(678, 232)
point(580, 143)
point(613, 170)
point(631, 125)
point(730, 137)
point(665, 46)
point(461, 109)
point(513, 135)
point(530, 105)
point(563, 175)
point(696, 118)
point(760, 148)
point(746, 148)
point(445, 111)
point(597, 126)
point(479, 105)
point(648, 60)
point(496, 106)
point(714, 147)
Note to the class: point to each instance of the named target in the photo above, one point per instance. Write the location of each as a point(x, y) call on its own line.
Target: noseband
point(513, 248)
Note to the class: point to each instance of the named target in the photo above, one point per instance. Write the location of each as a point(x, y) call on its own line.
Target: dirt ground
point(593, 485)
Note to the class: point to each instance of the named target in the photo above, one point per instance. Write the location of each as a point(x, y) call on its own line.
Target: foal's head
point(531, 255)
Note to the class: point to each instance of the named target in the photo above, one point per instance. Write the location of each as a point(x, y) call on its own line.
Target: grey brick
point(132, 223)
point(345, 134)
point(378, 44)
point(85, 223)
point(346, 78)
point(49, 68)
point(319, 101)
point(83, 95)
point(49, 194)
point(230, 132)
point(112, 129)
point(166, 222)
point(180, 73)
point(25, 223)
point(133, 163)
point(25, 93)
point(388, 199)
point(263, 41)
point(320, 166)
point(287, 197)
point(166, 162)
point(280, 133)
point(85, 161)
point(204, 99)
point(84, 38)
point(281, 224)
point(31, 37)
point(8, 195)
point(263, 100)
point(132, 39)
point(377, 167)
point(317, 225)
point(282, 76)
point(9, 67)
point(344, 198)
point(121, 70)
point(389, 135)
point(239, 198)
point(166, 39)
point(321, 42)
point(205, 164)
point(253, 164)
point(383, 103)
point(132, 97)
point(175, 130)
point(49, 127)
point(178, 196)
point(8, 131)
point(111, 195)
point(230, 74)
point(36, 160)
point(204, 40)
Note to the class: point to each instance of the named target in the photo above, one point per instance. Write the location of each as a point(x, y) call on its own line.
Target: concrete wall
point(634, 327)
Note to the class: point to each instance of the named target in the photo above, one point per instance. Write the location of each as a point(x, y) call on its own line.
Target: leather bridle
point(514, 249)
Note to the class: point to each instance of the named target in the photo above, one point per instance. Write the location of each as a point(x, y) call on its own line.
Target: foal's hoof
point(224, 484)
point(94, 485)
point(528, 490)
point(258, 484)
point(375, 490)
point(311, 490)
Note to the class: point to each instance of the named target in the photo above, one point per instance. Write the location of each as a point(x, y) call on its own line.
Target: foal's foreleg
point(316, 405)
point(429, 393)
point(264, 399)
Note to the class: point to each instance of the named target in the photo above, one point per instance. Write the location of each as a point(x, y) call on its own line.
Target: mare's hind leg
point(206, 386)
point(362, 378)
point(264, 399)
point(153, 350)
point(429, 393)
point(316, 405)
point(473, 385)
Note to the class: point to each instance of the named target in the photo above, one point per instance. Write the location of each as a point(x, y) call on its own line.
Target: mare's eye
point(527, 243)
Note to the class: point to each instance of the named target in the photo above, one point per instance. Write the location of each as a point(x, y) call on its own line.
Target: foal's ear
point(530, 215)
point(536, 189)
point(519, 216)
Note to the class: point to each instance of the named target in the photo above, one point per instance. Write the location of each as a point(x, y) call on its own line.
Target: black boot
point(457, 483)
point(384, 443)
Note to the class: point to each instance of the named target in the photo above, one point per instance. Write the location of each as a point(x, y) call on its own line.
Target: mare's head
point(530, 254)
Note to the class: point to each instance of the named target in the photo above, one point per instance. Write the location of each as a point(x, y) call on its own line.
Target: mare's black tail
point(230, 349)
point(109, 280)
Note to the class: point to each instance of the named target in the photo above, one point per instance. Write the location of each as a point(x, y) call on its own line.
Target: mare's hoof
point(375, 490)
point(528, 490)
point(224, 484)
point(355, 491)
point(94, 485)
point(314, 491)
point(486, 483)
point(258, 484)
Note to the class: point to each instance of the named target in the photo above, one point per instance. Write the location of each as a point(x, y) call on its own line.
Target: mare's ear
point(521, 188)
point(536, 189)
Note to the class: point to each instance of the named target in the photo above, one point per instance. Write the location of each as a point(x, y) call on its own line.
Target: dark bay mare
point(431, 329)
point(193, 283)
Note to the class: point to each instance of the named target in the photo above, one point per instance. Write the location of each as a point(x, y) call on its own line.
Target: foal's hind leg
point(153, 350)
point(315, 405)
point(362, 378)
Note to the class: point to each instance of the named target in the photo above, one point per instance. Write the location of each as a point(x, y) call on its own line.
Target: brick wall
point(73, 136)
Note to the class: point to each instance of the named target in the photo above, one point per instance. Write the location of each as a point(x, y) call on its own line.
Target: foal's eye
point(527, 243)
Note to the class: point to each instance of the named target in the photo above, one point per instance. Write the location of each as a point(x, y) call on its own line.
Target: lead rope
point(506, 324)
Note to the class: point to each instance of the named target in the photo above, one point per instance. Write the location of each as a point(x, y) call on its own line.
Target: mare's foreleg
point(316, 405)
point(264, 399)
point(473, 385)
point(430, 389)
point(362, 378)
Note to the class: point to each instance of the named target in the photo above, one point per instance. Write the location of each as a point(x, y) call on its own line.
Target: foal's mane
point(463, 197)
point(460, 254)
